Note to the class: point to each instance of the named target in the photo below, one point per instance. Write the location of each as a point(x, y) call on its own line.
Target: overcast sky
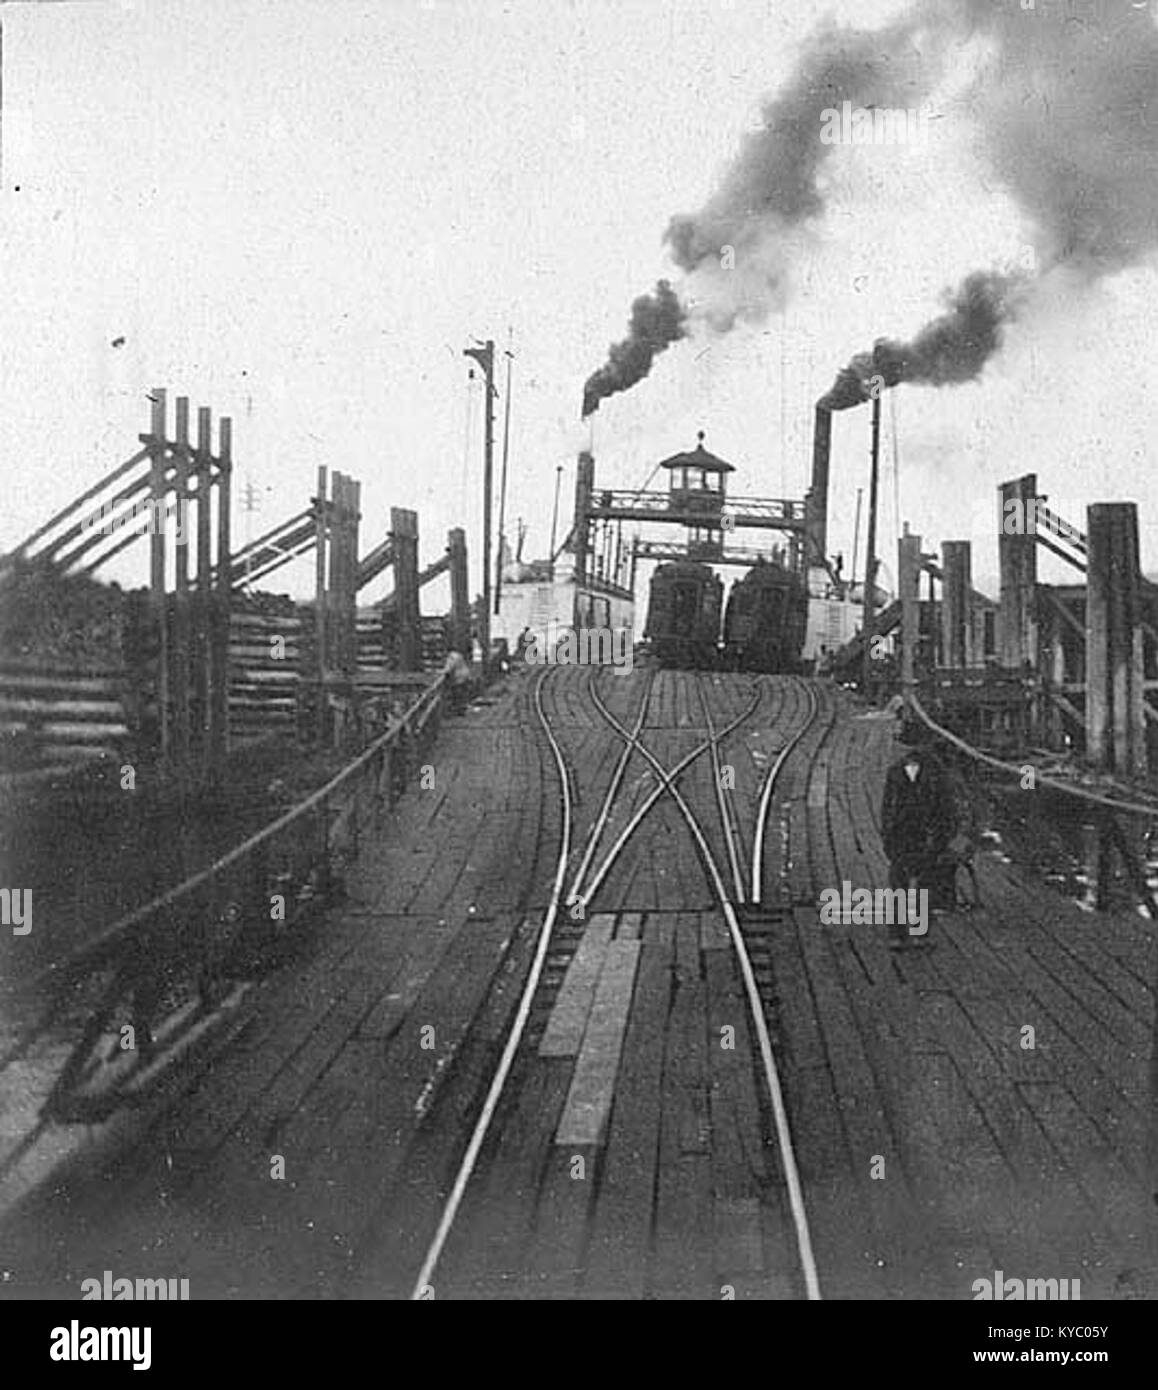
point(300, 211)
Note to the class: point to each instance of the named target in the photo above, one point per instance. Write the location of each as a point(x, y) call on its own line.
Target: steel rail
point(514, 1037)
point(667, 782)
point(766, 796)
point(771, 1071)
point(730, 836)
point(600, 822)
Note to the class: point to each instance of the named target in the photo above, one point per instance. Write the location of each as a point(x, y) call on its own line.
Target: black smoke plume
point(772, 186)
point(953, 348)
point(769, 190)
point(1061, 100)
point(1065, 108)
point(657, 321)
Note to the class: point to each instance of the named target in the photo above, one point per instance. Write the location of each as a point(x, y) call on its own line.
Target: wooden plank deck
point(633, 1153)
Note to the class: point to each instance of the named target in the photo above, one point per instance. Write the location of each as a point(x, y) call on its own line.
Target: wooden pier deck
point(633, 1152)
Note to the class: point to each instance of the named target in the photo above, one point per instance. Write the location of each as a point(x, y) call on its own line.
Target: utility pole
point(485, 357)
point(251, 502)
point(510, 356)
point(870, 563)
point(555, 517)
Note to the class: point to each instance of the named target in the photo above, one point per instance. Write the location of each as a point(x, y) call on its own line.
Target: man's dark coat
point(917, 820)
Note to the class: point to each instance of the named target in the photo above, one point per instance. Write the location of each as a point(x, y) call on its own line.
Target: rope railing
point(198, 943)
point(97, 947)
point(1017, 770)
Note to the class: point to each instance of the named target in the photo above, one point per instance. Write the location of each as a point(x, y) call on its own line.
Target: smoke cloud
point(951, 349)
point(771, 191)
point(1059, 102)
point(657, 321)
point(1065, 103)
point(767, 196)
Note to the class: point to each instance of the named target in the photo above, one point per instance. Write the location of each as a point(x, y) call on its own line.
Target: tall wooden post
point(181, 671)
point(220, 701)
point(355, 520)
point(349, 577)
point(485, 357)
point(1017, 555)
point(459, 592)
point(909, 592)
point(956, 604)
point(203, 618)
point(336, 604)
point(321, 531)
point(484, 627)
point(503, 482)
point(1115, 726)
point(404, 531)
point(157, 456)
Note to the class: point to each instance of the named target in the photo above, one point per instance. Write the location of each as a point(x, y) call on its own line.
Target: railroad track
point(562, 927)
point(759, 1000)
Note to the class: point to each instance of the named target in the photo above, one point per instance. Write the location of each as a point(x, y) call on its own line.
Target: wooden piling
point(459, 592)
point(345, 596)
point(321, 526)
point(404, 531)
point(157, 456)
point(335, 590)
point(956, 604)
point(1017, 555)
point(355, 519)
point(347, 593)
point(219, 694)
point(1115, 723)
point(349, 579)
point(181, 647)
point(202, 618)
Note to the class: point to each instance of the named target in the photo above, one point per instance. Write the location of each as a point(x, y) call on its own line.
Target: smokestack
point(584, 483)
point(818, 493)
point(870, 564)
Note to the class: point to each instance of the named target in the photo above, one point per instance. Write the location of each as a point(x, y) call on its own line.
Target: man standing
point(458, 674)
point(916, 827)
